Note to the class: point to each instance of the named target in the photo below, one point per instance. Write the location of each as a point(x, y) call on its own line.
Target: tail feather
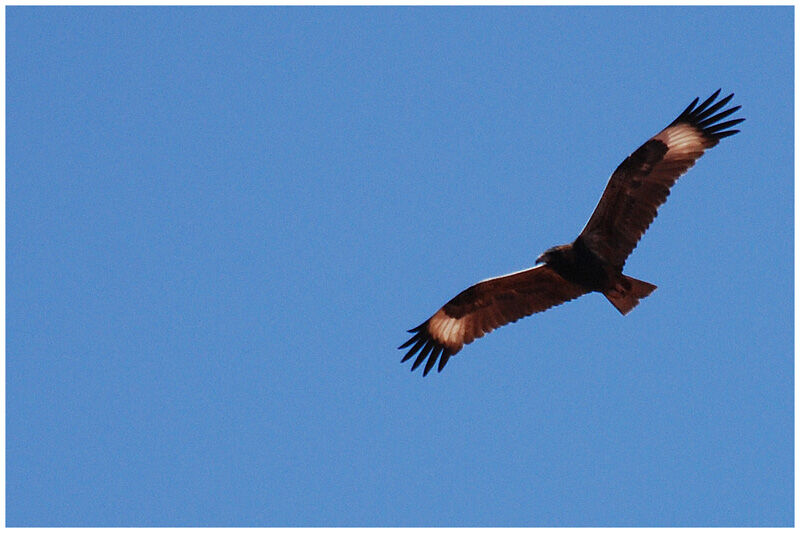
point(627, 293)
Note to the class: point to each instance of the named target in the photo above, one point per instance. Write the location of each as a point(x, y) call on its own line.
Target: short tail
point(627, 292)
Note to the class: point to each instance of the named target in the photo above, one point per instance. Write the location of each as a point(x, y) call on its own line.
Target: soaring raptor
point(591, 263)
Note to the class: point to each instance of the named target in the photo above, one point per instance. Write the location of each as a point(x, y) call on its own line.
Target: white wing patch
point(684, 141)
point(447, 330)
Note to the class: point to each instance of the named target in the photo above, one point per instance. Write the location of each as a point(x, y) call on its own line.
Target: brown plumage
point(594, 261)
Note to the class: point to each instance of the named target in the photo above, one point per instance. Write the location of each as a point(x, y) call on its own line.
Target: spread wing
point(642, 182)
point(484, 307)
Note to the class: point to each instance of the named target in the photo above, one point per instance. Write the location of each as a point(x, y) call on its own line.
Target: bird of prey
point(591, 263)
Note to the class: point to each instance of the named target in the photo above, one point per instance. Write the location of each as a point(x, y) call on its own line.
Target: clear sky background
point(221, 222)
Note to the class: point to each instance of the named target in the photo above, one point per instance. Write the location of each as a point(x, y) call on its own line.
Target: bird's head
point(551, 255)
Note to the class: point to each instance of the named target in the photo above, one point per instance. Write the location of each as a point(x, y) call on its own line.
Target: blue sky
point(221, 222)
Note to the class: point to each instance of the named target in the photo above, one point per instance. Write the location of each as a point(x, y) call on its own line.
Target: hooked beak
point(540, 259)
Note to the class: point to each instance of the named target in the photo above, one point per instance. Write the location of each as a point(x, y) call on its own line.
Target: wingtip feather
point(409, 341)
point(706, 103)
point(706, 117)
point(432, 360)
point(727, 133)
point(722, 125)
point(443, 361)
point(422, 355)
point(413, 350)
point(420, 327)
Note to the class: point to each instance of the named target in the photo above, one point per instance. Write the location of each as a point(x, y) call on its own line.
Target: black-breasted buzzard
point(594, 261)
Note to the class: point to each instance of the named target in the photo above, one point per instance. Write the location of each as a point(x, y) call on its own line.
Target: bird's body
point(576, 263)
point(594, 261)
point(579, 264)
